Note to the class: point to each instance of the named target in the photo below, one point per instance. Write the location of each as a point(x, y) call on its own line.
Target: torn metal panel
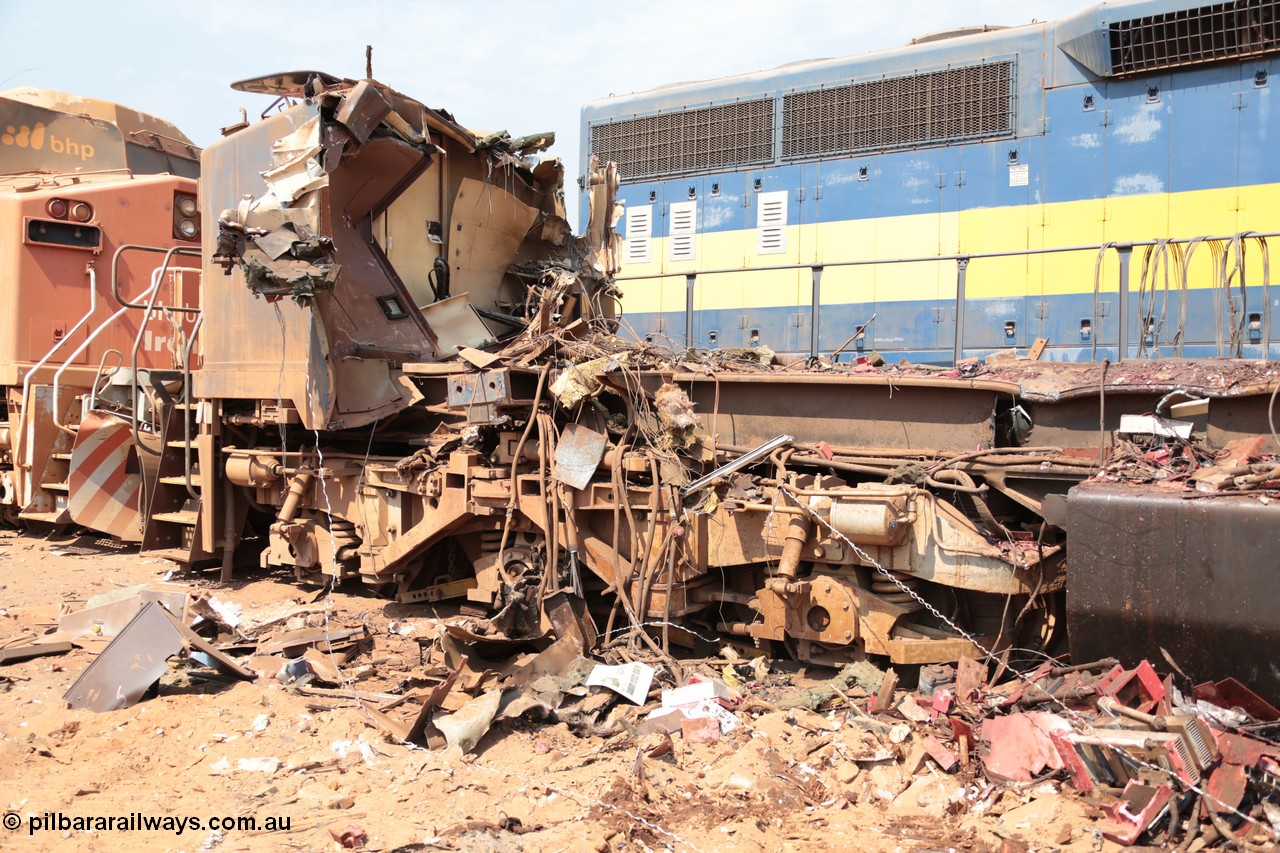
point(1019, 746)
point(458, 324)
point(110, 618)
point(489, 224)
point(571, 620)
point(12, 654)
point(136, 658)
point(362, 111)
point(368, 385)
point(578, 455)
point(295, 169)
point(465, 727)
point(297, 84)
point(604, 213)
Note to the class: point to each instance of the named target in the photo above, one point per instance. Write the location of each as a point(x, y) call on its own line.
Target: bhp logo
point(23, 136)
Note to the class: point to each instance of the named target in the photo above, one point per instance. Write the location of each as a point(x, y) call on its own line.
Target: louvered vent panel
point(970, 102)
point(771, 223)
point(683, 232)
point(639, 233)
point(687, 141)
point(1195, 36)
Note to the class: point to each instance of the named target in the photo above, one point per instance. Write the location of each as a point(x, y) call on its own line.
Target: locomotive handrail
point(1124, 251)
point(185, 251)
point(57, 376)
point(99, 384)
point(134, 385)
point(26, 380)
point(185, 399)
point(966, 256)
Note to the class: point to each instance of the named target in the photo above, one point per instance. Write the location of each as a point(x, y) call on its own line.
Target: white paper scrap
point(713, 709)
point(631, 680)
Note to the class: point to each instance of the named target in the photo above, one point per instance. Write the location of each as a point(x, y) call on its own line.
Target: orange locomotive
point(99, 237)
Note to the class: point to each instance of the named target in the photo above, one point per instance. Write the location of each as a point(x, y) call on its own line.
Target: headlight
point(187, 205)
point(81, 212)
point(188, 229)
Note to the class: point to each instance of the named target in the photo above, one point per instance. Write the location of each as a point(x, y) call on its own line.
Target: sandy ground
point(212, 748)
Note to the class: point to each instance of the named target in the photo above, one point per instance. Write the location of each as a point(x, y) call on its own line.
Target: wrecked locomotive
point(93, 331)
point(361, 424)
point(352, 439)
point(408, 376)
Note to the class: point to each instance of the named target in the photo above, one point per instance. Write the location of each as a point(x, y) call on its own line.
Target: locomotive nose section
point(379, 232)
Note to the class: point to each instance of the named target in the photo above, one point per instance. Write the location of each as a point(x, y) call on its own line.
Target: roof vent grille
point(1195, 36)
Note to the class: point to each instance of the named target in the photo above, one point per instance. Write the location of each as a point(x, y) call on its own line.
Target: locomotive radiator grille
point(970, 102)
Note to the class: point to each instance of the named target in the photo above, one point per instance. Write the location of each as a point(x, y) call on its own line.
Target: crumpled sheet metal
point(605, 211)
point(274, 238)
point(465, 728)
point(488, 226)
point(1020, 746)
point(578, 455)
point(136, 658)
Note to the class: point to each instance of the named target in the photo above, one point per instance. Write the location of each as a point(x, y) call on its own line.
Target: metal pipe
point(228, 527)
point(297, 488)
point(104, 374)
point(186, 400)
point(841, 465)
point(717, 594)
point(962, 271)
point(1125, 253)
point(736, 465)
point(134, 385)
point(797, 534)
point(689, 284)
point(815, 304)
point(995, 451)
point(1111, 706)
point(955, 480)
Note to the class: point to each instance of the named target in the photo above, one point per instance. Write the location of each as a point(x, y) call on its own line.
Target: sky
point(494, 66)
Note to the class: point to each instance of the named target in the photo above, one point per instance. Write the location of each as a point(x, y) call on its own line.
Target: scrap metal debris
point(134, 661)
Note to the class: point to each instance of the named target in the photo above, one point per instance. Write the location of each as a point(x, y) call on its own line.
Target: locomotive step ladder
point(51, 462)
point(176, 457)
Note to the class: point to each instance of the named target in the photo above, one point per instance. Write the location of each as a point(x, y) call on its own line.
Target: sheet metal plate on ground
point(136, 658)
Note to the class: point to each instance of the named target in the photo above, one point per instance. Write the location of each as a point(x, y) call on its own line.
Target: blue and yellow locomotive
point(971, 191)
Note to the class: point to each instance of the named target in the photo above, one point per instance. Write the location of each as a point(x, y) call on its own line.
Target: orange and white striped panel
point(104, 494)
